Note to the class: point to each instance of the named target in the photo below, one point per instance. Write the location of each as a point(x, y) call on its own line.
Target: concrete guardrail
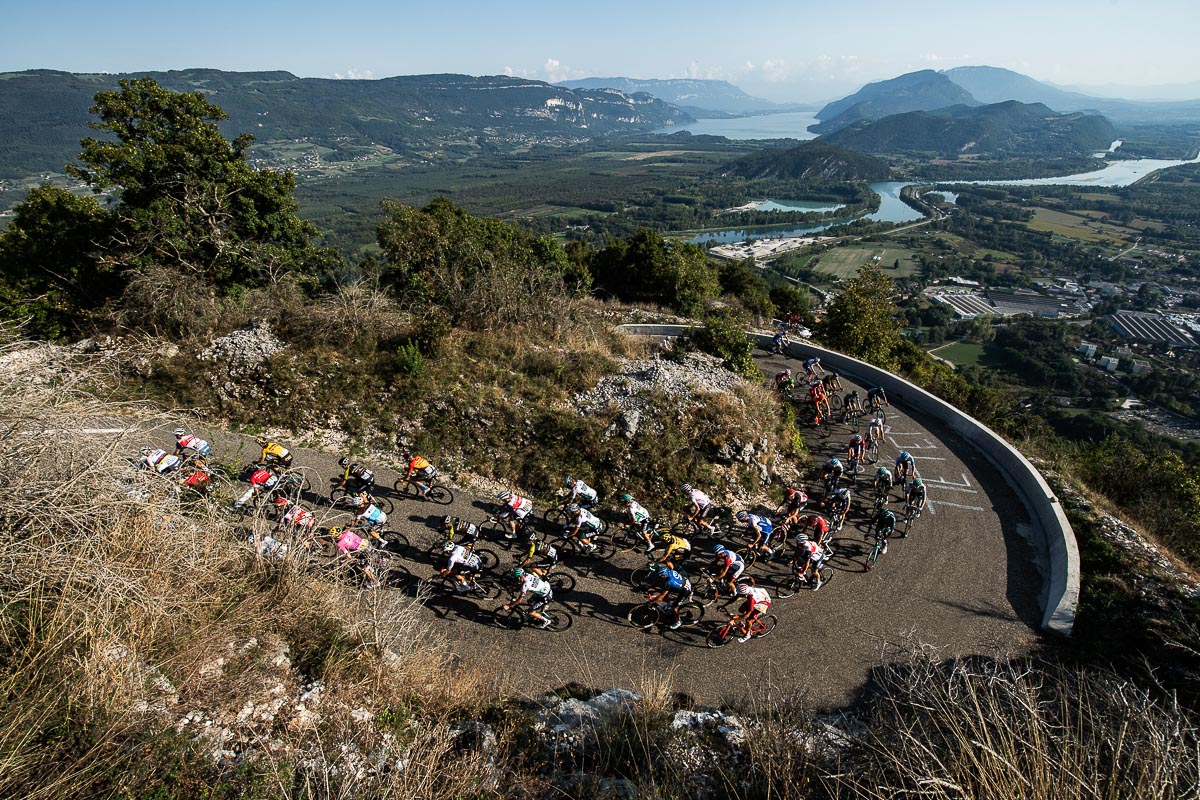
point(1060, 579)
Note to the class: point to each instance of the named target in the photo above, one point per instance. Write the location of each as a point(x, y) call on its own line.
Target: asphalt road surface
point(965, 581)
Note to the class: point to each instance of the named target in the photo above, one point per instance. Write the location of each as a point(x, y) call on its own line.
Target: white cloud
point(555, 71)
point(354, 75)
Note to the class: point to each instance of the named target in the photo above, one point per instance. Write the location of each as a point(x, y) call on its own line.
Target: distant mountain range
point(700, 98)
point(814, 161)
point(999, 130)
point(424, 118)
point(928, 90)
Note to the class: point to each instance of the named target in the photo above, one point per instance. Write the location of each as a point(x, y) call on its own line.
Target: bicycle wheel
point(442, 495)
point(788, 584)
point(873, 556)
point(825, 427)
point(705, 590)
point(641, 577)
point(605, 548)
point(405, 490)
point(690, 612)
point(827, 574)
point(881, 412)
point(561, 582)
point(873, 453)
point(835, 402)
point(625, 540)
point(644, 616)
point(336, 494)
point(513, 619)
point(768, 623)
point(485, 589)
point(487, 558)
point(384, 504)
point(498, 532)
point(560, 620)
point(396, 542)
point(718, 636)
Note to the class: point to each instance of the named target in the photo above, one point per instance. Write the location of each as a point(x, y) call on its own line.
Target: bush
point(724, 335)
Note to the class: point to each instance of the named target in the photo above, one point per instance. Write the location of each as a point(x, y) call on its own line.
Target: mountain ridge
point(690, 94)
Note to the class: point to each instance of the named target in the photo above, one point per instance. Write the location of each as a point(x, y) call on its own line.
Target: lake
point(1117, 173)
point(791, 125)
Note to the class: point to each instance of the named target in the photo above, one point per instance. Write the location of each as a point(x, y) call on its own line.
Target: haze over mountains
point(698, 97)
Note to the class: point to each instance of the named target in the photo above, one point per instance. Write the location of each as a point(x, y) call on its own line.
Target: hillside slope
point(692, 94)
point(44, 114)
point(914, 91)
point(1002, 129)
point(811, 161)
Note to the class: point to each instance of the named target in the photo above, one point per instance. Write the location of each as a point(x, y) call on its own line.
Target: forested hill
point(1001, 129)
point(914, 91)
point(811, 161)
point(44, 114)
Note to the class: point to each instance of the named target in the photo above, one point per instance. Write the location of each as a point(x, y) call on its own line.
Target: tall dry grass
point(125, 608)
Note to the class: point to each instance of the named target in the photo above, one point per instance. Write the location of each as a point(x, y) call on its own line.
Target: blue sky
point(797, 50)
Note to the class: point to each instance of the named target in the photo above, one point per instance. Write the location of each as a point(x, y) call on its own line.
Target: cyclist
point(856, 450)
point(906, 468)
point(294, 516)
point(262, 479)
point(537, 590)
point(875, 430)
point(812, 369)
point(676, 549)
point(916, 497)
point(420, 471)
point(839, 506)
point(185, 441)
point(762, 529)
point(351, 546)
point(820, 400)
point(701, 505)
point(731, 565)
point(356, 478)
point(877, 398)
point(809, 559)
point(200, 478)
point(160, 461)
point(758, 601)
point(638, 518)
point(883, 483)
point(784, 382)
point(370, 518)
point(583, 524)
point(540, 556)
point(455, 530)
point(462, 564)
point(581, 493)
point(832, 381)
point(831, 474)
point(669, 587)
point(274, 453)
point(851, 402)
point(794, 502)
point(885, 525)
point(817, 525)
point(516, 509)
point(779, 343)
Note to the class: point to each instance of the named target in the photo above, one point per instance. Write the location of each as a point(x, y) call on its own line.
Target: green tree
point(742, 280)
point(724, 335)
point(860, 321)
point(189, 201)
point(482, 272)
point(52, 272)
point(648, 267)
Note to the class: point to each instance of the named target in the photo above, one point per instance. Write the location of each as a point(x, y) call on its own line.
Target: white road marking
point(49, 431)
point(956, 505)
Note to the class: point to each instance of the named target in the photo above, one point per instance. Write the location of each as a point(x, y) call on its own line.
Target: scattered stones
point(630, 388)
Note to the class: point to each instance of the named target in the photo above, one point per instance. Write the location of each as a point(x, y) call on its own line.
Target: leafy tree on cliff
point(859, 321)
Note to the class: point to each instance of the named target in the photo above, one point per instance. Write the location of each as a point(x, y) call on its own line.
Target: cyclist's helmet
point(742, 516)
point(835, 462)
point(518, 573)
point(661, 569)
point(406, 454)
point(790, 494)
point(261, 441)
point(179, 432)
point(282, 502)
point(531, 535)
point(504, 496)
point(687, 487)
point(568, 481)
point(573, 508)
point(145, 451)
point(879, 473)
point(854, 393)
point(918, 483)
point(447, 547)
point(626, 498)
point(787, 370)
point(744, 589)
point(660, 533)
point(904, 456)
point(801, 537)
point(718, 549)
point(360, 500)
point(343, 462)
point(857, 438)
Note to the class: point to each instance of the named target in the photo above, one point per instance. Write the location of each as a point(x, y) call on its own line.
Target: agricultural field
point(845, 262)
point(962, 354)
point(1077, 226)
